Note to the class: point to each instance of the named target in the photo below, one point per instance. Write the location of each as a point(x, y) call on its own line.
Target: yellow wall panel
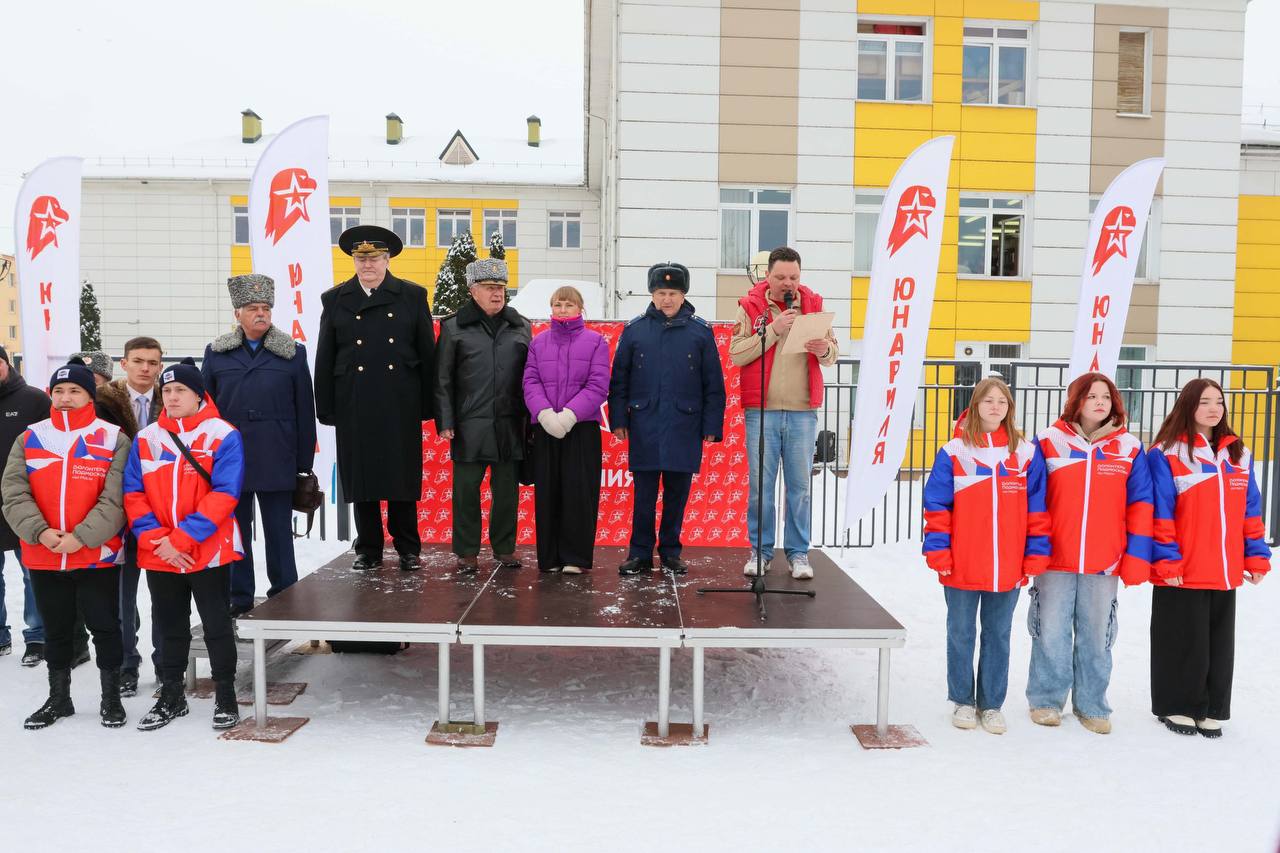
point(903, 8)
point(881, 142)
point(344, 201)
point(868, 114)
point(1262, 232)
point(241, 260)
point(998, 176)
point(1002, 10)
point(1259, 207)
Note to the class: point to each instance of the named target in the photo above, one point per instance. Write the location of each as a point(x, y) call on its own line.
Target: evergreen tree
point(90, 320)
point(496, 249)
point(451, 283)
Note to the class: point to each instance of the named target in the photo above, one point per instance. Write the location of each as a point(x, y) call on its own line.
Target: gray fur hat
point(486, 269)
point(99, 362)
point(246, 289)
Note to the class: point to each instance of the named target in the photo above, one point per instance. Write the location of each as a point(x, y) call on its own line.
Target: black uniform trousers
point(1193, 637)
point(504, 485)
point(402, 524)
point(275, 514)
point(566, 498)
point(171, 596)
point(644, 510)
point(63, 596)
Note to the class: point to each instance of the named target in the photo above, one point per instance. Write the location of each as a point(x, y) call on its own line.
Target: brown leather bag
point(307, 497)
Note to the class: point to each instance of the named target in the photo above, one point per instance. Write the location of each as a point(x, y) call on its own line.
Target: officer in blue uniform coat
point(666, 397)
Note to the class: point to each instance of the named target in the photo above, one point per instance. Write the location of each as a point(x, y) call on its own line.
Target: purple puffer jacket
point(568, 368)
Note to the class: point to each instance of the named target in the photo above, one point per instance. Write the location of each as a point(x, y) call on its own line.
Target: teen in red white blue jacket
point(985, 531)
point(1209, 539)
point(1099, 502)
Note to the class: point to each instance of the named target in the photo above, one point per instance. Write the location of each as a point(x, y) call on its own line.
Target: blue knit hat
point(76, 372)
point(185, 373)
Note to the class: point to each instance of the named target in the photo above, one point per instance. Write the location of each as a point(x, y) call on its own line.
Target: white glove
point(567, 420)
point(551, 423)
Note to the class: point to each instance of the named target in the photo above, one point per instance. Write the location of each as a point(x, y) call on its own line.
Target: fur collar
point(274, 341)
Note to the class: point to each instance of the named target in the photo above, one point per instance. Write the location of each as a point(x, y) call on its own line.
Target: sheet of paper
point(807, 327)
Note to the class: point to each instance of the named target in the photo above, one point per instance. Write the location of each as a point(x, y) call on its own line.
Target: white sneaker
point(800, 568)
point(993, 721)
point(965, 717)
point(750, 568)
point(571, 570)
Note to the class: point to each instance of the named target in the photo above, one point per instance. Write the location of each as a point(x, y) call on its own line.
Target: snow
point(782, 770)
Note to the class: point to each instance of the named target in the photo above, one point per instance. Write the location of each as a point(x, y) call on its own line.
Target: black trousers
point(402, 524)
point(275, 512)
point(504, 484)
point(644, 510)
point(171, 596)
point(62, 596)
point(1193, 638)
point(566, 498)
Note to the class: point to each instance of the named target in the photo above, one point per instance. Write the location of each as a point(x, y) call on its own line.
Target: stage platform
point(599, 608)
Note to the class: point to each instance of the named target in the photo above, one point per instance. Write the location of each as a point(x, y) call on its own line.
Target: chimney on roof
point(395, 129)
point(535, 131)
point(250, 127)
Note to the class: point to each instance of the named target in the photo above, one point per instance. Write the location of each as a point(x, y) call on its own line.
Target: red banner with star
point(716, 512)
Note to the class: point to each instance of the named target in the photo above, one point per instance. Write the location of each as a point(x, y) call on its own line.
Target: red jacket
point(756, 304)
point(165, 496)
point(984, 514)
point(1099, 502)
point(1208, 516)
point(68, 457)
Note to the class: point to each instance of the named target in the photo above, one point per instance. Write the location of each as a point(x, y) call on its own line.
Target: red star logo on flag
point(42, 226)
point(1114, 237)
point(912, 217)
point(289, 191)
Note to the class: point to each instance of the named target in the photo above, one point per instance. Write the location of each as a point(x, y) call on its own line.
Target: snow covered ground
point(782, 770)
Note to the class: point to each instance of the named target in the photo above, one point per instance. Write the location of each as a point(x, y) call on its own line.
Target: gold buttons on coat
point(357, 316)
point(360, 368)
point(389, 314)
point(391, 367)
point(391, 340)
point(359, 342)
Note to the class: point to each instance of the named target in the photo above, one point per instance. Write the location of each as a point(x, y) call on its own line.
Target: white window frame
point(238, 212)
point(502, 216)
point(1146, 71)
point(926, 85)
point(409, 214)
point(349, 217)
point(564, 217)
point(1151, 237)
point(753, 226)
point(995, 42)
point(1024, 247)
point(454, 215)
point(863, 206)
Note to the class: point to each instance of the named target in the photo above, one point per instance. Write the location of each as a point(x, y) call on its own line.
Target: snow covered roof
point(366, 157)
point(1260, 136)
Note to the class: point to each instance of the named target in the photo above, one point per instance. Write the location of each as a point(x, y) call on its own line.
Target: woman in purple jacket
point(566, 381)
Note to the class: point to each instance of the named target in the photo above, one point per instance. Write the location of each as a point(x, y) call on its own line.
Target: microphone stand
point(757, 586)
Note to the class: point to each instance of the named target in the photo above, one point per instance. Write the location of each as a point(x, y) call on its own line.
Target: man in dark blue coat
point(666, 397)
point(258, 378)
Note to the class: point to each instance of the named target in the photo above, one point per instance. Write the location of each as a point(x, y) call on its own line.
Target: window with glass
point(502, 221)
point(240, 225)
point(752, 220)
point(995, 65)
point(992, 236)
point(451, 224)
point(1129, 382)
point(892, 60)
point(1146, 269)
point(340, 219)
point(410, 225)
point(866, 214)
point(564, 229)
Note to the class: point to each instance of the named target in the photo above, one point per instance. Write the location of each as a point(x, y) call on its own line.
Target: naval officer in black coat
point(374, 375)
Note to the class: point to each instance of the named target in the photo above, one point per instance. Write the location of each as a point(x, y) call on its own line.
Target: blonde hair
point(971, 430)
point(569, 293)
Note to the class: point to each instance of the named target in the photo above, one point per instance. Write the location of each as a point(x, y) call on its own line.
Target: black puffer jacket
point(479, 384)
point(20, 407)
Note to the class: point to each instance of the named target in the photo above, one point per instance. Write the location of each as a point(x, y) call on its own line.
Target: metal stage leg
point(191, 674)
point(443, 689)
point(697, 690)
point(664, 691)
point(477, 669)
point(882, 700)
point(260, 682)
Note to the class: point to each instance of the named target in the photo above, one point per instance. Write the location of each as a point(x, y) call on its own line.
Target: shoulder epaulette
point(635, 319)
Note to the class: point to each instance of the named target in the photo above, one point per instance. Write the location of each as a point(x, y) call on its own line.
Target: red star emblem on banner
point(1114, 237)
point(289, 191)
point(42, 226)
point(912, 217)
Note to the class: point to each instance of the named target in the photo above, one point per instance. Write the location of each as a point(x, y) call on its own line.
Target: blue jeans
point(1064, 604)
point(788, 439)
point(34, 632)
point(963, 607)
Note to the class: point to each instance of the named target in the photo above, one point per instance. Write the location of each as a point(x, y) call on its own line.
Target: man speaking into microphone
point(787, 397)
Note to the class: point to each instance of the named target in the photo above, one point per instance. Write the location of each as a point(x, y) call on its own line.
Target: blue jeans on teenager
point(963, 608)
point(34, 632)
point(788, 440)
point(1072, 621)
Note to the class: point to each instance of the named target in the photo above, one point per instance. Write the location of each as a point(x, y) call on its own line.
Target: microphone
point(789, 299)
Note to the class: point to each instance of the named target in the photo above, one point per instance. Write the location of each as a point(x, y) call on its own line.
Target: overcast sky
point(86, 77)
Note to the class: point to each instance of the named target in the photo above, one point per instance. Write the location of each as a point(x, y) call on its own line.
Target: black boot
point(128, 682)
point(58, 704)
point(171, 705)
point(111, 711)
point(226, 711)
point(636, 566)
